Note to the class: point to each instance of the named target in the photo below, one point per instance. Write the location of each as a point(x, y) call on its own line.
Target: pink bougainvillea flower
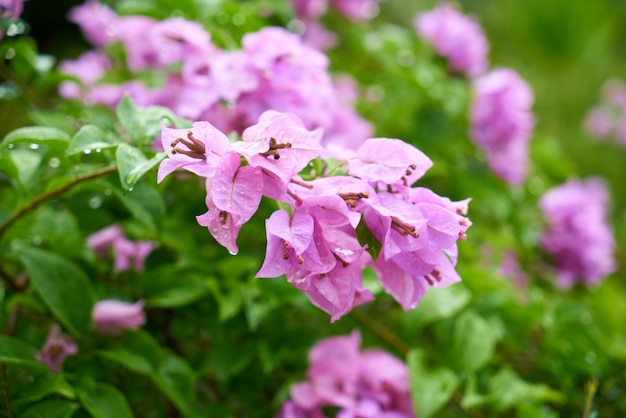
point(197, 150)
point(233, 196)
point(279, 144)
point(502, 122)
point(578, 235)
point(112, 316)
point(368, 384)
point(128, 254)
point(56, 349)
point(390, 161)
point(96, 20)
point(456, 37)
point(11, 8)
point(357, 10)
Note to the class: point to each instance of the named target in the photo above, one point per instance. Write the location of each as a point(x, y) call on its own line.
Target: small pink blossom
point(455, 36)
point(56, 349)
point(111, 316)
point(128, 254)
point(11, 8)
point(96, 20)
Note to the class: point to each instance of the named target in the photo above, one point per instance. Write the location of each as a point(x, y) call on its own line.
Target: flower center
point(274, 147)
point(195, 147)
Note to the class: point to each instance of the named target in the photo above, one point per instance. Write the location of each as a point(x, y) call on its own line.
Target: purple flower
point(368, 384)
point(111, 316)
point(96, 20)
point(608, 118)
point(357, 10)
point(502, 122)
point(456, 37)
point(57, 347)
point(11, 8)
point(578, 236)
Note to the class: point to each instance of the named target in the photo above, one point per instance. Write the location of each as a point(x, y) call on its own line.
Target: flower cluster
point(274, 69)
point(608, 119)
point(128, 254)
point(316, 243)
point(578, 236)
point(368, 384)
point(502, 122)
point(456, 37)
point(500, 113)
point(11, 9)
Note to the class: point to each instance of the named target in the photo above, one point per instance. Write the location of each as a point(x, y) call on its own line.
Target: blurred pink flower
point(128, 254)
point(577, 235)
point(368, 384)
point(502, 122)
point(111, 316)
point(456, 37)
point(57, 347)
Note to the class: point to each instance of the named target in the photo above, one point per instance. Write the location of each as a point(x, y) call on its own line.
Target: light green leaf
point(51, 408)
point(128, 115)
point(507, 389)
point(474, 341)
point(88, 138)
point(430, 390)
point(102, 400)
point(41, 135)
point(7, 166)
point(64, 287)
point(133, 164)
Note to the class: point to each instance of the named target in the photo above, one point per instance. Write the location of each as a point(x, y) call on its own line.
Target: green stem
point(5, 391)
point(382, 331)
point(39, 200)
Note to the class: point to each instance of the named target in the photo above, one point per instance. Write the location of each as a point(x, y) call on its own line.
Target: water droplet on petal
point(87, 151)
point(232, 252)
point(33, 146)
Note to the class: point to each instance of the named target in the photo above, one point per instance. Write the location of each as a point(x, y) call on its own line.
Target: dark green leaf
point(136, 350)
point(145, 203)
point(51, 408)
point(102, 400)
point(430, 390)
point(64, 288)
point(90, 137)
point(176, 380)
point(365, 237)
point(32, 382)
point(16, 351)
point(41, 135)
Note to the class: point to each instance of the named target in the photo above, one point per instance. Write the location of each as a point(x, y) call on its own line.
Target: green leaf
point(176, 380)
point(437, 304)
point(429, 390)
point(133, 164)
point(474, 341)
point(41, 135)
point(144, 124)
point(51, 408)
point(33, 382)
point(102, 400)
point(365, 237)
point(170, 287)
point(145, 203)
point(507, 389)
point(88, 138)
point(64, 287)
point(7, 166)
point(141, 353)
point(128, 115)
point(16, 351)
